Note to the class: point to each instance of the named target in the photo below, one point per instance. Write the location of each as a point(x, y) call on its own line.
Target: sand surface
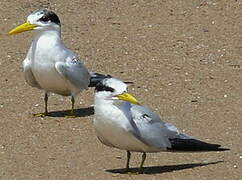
point(185, 58)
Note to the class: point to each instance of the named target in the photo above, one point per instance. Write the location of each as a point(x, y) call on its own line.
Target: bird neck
point(48, 37)
point(101, 101)
point(108, 102)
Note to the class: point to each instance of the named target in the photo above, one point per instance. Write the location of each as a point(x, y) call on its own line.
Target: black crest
point(50, 16)
point(102, 87)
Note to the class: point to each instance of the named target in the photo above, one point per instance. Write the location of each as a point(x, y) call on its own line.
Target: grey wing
point(28, 74)
point(150, 129)
point(74, 71)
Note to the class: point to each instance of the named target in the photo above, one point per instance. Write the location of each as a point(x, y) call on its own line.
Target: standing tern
point(49, 65)
point(121, 122)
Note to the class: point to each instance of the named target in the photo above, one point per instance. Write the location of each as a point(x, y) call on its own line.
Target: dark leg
point(128, 158)
point(46, 109)
point(71, 115)
point(141, 169)
point(72, 105)
point(46, 103)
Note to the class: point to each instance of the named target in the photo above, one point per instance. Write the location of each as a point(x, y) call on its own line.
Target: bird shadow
point(161, 169)
point(82, 112)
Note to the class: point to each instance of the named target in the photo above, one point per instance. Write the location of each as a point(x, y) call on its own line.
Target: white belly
point(46, 50)
point(113, 133)
point(49, 79)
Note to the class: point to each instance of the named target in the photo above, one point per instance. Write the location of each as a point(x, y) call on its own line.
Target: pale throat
point(47, 39)
point(46, 45)
point(103, 101)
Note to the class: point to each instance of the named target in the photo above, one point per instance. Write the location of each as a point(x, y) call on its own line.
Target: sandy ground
point(185, 58)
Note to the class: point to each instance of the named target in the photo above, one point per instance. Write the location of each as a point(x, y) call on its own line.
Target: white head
point(40, 20)
point(113, 89)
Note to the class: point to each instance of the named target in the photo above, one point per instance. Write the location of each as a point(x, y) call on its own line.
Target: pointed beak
point(127, 97)
point(21, 28)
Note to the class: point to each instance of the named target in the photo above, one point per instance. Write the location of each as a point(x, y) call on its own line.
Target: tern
point(121, 122)
point(49, 65)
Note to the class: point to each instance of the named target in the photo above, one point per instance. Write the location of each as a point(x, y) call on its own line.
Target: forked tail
point(178, 144)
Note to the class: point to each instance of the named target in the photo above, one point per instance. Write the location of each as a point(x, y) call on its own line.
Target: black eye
point(50, 16)
point(101, 87)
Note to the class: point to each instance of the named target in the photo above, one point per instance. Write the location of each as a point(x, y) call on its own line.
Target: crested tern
point(121, 122)
point(49, 65)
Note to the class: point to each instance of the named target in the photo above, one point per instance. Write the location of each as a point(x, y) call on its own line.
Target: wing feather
point(74, 71)
point(28, 74)
point(147, 127)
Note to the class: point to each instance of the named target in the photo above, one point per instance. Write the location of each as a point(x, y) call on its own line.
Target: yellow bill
point(21, 28)
point(127, 97)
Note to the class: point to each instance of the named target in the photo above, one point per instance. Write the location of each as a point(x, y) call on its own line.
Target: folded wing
point(148, 127)
point(74, 71)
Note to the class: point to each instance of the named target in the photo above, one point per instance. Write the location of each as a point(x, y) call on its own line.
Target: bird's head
point(114, 89)
point(38, 20)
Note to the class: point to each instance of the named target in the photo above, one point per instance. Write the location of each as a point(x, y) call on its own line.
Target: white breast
point(112, 126)
point(46, 51)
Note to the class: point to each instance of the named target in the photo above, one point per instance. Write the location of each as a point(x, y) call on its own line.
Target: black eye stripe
point(102, 87)
point(50, 16)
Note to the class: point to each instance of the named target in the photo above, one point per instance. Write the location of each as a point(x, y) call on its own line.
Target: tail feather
point(178, 144)
point(96, 78)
